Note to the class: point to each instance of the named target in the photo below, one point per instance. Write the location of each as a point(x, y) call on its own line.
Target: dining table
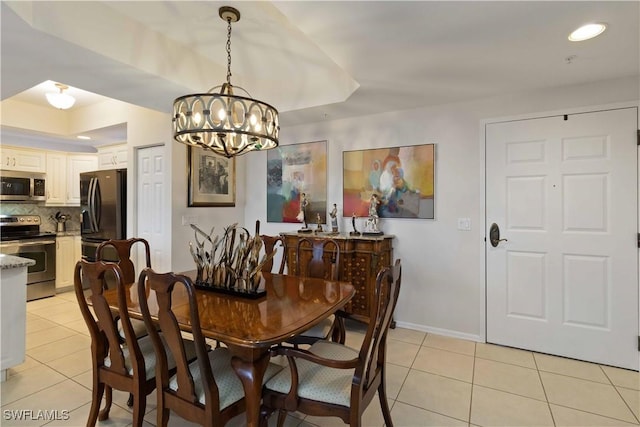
point(249, 327)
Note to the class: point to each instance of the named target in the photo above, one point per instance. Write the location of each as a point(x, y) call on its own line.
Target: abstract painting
point(293, 170)
point(402, 177)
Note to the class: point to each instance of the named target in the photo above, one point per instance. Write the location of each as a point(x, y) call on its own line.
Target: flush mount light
point(83, 137)
point(60, 100)
point(221, 121)
point(587, 32)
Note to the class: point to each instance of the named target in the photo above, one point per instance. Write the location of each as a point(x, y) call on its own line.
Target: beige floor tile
point(498, 353)
point(445, 363)
point(65, 396)
point(438, 394)
point(174, 420)
point(28, 363)
point(73, 364)
point(401, 353)
point(78, 326)
point(589, 396)
point(404, 415)
point(632, 398)
point(37, 323)
point(60, 348)
point(67, 317)
point(496, 408)
point(570, 367)
point(396, 376)
point(407, 335)
point(60, 306)
point(67, 296)
point(564, 416)
point(39, 304)
point(46, 336)
point(28, 382)
point(118, 417)
point(623, 377)
point(451, 344)
point(509, 378)
point(372, 417)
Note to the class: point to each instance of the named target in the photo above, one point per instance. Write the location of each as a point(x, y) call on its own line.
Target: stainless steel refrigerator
point(103, 202)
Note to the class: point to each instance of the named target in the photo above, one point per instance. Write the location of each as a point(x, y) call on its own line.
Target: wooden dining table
point(249, 327)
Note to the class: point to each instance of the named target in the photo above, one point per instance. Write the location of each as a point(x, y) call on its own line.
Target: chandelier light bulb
point(222, 114)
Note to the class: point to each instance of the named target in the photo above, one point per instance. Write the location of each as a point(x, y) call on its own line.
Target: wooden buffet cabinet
point(361, 258)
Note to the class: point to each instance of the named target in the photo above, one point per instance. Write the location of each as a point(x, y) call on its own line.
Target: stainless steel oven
point(21, 237)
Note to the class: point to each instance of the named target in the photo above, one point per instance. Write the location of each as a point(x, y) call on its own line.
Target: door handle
point(494, 235)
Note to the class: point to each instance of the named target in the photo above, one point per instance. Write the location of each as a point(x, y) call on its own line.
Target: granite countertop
point(10, 261)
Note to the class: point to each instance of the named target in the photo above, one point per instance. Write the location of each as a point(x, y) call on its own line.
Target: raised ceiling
point(315, 60)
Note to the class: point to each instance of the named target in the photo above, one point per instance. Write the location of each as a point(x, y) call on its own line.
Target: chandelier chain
point(229, 51)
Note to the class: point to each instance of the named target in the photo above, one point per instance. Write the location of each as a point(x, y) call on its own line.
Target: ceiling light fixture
point(223, 122)
point(60, 100)
point(83, 137)
point(587, 32)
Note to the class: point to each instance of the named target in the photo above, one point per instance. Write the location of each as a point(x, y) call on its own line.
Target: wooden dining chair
point(123, 250)
point(127, 366)
point(274, 243)
point(331, 379)
point(206, 391)
point(122, 257)
point(323, 262)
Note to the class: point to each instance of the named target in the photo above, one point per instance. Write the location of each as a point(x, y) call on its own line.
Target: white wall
point(442, 288)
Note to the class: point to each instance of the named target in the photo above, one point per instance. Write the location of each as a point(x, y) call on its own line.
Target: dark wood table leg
point(250, 367)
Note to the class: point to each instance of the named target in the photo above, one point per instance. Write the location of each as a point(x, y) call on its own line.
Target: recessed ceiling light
point(587, 32)
point(83, 137)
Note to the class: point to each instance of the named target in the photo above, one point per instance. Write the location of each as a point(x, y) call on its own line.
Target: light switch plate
point(464, 224)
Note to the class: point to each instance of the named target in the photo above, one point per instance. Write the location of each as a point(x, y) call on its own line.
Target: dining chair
point(331, 379)
point(206, 391)
point(323, 263)
point(127, 365)
point(122, 257)
point(274, 243)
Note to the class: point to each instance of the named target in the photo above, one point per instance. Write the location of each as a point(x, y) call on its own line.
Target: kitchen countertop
point(10, 261)
point(67, 233)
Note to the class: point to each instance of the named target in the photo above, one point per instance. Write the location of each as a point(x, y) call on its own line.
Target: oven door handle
point(36, 243)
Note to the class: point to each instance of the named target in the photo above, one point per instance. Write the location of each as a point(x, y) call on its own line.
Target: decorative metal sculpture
point(232, 262)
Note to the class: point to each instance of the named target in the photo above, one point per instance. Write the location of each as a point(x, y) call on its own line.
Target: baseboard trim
point(440, 331)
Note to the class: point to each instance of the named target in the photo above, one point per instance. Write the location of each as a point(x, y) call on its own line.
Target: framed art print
point(211, 180)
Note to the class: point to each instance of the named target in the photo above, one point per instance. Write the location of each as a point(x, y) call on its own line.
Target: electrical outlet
point(464, 224)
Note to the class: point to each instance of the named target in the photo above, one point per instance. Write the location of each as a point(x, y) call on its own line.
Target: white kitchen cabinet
point(56, 179)
point(76, 164)
point(24, 160)
point(112, 157)
point(65, 261)
point(63, 177)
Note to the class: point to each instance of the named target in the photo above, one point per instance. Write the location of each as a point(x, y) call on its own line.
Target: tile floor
point(432, 381)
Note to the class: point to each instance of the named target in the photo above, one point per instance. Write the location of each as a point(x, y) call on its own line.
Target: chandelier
point(60, 100)
point(225, 122)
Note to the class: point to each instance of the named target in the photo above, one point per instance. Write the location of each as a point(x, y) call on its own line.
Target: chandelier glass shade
point(223, 121)
point(60, 100)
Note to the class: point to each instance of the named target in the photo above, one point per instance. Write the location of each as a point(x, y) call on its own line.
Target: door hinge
point(639, 240)
point(639, 343)
point(638, 136)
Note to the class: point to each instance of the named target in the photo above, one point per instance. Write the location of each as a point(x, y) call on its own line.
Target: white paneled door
point(153, 218)
point(564, 193)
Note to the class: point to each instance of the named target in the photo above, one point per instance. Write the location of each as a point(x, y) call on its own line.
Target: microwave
point(22, 186)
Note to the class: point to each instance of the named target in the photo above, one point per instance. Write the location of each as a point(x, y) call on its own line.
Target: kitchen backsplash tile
point(46, 214)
